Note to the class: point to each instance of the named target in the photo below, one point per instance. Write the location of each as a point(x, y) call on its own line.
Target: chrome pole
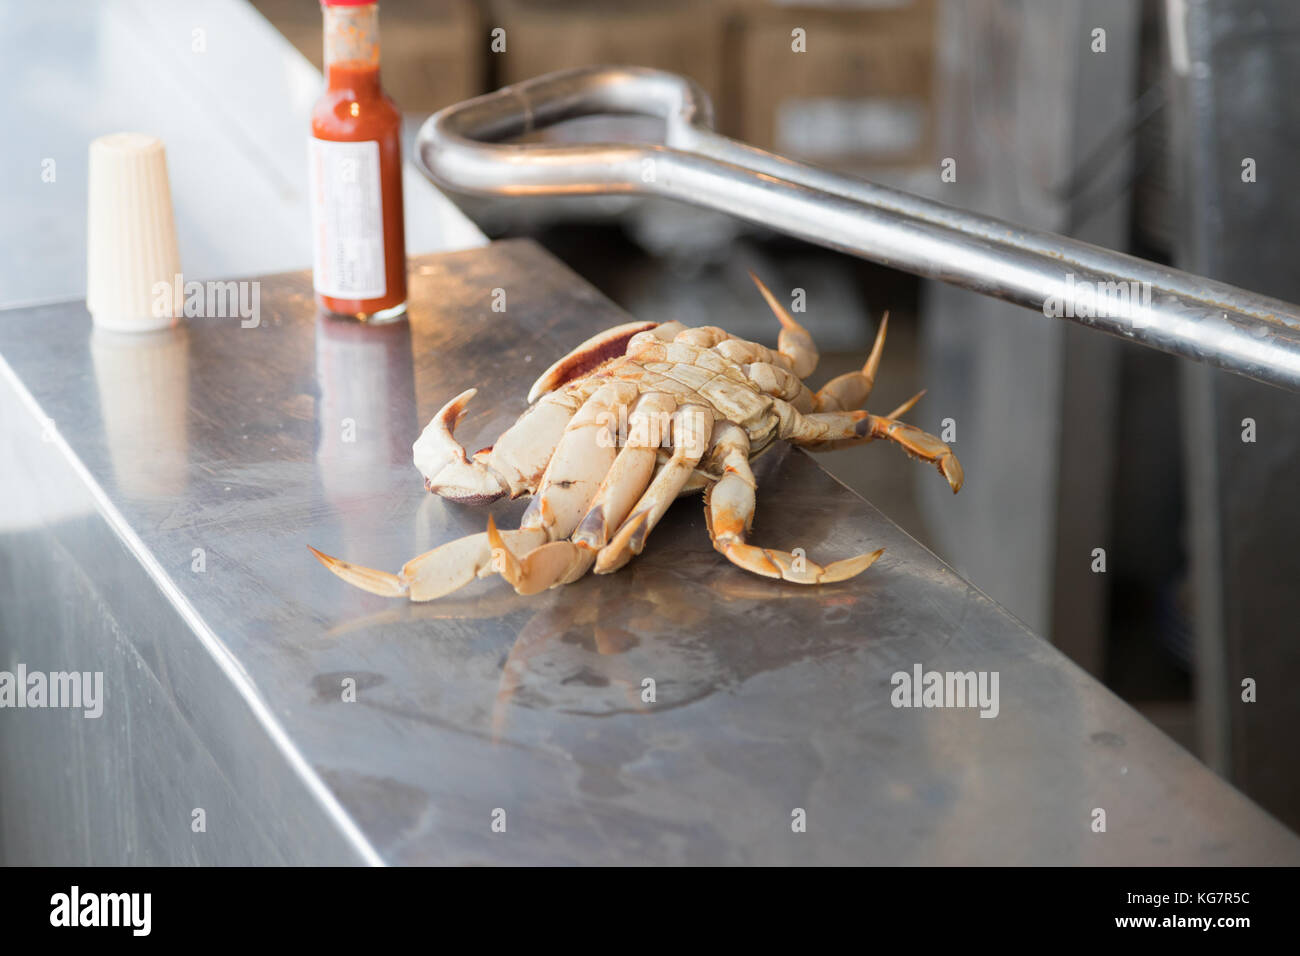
point(460, 148)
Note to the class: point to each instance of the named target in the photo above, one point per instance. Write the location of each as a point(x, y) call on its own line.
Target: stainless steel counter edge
point(240, 682)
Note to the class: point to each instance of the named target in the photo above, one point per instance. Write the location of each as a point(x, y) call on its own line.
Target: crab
point(627, 422)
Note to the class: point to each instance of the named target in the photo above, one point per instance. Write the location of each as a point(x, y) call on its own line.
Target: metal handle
point(1176, 312)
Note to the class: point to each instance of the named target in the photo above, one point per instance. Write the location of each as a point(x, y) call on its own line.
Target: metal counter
point(196, 466)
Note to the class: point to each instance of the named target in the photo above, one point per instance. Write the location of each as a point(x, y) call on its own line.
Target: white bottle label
point(347, 219)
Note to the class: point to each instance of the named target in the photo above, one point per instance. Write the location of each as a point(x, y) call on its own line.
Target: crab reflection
point(679, 616)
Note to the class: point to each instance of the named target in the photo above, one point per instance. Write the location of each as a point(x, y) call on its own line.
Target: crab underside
point(621, 426)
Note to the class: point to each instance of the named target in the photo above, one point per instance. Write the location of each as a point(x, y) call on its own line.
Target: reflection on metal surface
point(229, 683)
point(365, 406)
point(364, 414)
point(143, 382)
point(679, 617)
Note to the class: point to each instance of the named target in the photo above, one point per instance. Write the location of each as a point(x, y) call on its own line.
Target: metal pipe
point(1173, 311)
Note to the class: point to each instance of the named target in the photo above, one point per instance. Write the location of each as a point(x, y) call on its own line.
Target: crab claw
point(435, 573)
point(368, 579)
point(447, 470)
point(771, 563)
point(546, 566)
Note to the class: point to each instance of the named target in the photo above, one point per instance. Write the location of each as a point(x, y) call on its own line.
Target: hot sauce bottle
point(355, 161)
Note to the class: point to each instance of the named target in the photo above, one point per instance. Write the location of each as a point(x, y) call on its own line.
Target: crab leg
point(577, 472)
point(781, 383)
point(582, 459)
point(691, 427)
point(898, 412)
point(513, 466)
point(563, 562)
point(649, 424)
point(435, 573)
point(822, 430)
point(794, 342)
point(729, 513)
point(744, 352)
point(922, 445)
point(545, 566)
point(584, 453)
point(852, 389)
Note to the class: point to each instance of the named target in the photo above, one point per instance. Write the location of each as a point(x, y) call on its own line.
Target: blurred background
point(1111, 502)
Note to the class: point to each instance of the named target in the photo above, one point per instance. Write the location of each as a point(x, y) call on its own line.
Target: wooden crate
point(862, 95)
point(432, 50)
point(681, 36)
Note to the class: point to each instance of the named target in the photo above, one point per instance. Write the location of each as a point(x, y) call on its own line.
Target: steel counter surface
point(214, 454)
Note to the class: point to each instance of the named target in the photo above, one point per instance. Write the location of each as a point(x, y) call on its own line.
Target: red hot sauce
point(359, 242)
